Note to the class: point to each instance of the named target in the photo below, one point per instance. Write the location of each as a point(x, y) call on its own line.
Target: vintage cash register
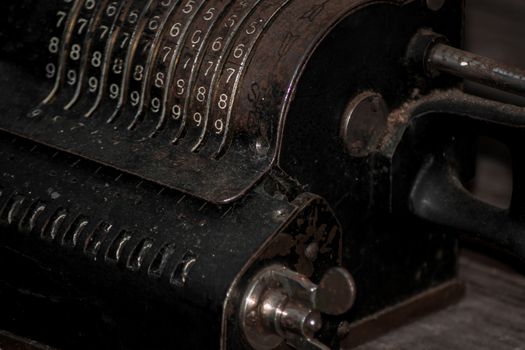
point(240, 174)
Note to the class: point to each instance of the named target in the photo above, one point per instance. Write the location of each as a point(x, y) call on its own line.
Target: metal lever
point(430, 50)
point(477, 68)
point(438, 194)
point(283, 305)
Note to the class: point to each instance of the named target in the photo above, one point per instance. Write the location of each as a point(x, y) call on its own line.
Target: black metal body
point(394, 255)
point(122, 228)
point(108, 269)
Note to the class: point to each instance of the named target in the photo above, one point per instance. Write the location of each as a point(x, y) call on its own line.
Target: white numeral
point(223, 101)
point(53, 44)
point(50, 70)
point(93, 84)
point(114, 90)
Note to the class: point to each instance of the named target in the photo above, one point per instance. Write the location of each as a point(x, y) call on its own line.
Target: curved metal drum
point(177, 92)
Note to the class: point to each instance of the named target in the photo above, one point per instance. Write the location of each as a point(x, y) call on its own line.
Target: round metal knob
point(283, 305)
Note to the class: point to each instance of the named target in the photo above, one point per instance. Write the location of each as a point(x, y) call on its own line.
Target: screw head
point(313, 323)
point(312, 251)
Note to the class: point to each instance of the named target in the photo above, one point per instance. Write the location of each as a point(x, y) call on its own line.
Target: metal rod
point(477, 68)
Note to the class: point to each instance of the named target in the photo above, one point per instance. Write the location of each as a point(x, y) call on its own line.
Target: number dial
point(166, 61)
point(79, 43)
point(99, 17)
point(139, 67)
point(181, 80)
point(228, 121)
point(96, 57)
point(231, 73)
point(58, 45)
point(36, 41)
point(199, 102)
point(123, 35)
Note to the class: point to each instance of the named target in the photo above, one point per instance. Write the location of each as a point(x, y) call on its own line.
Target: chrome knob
point(281, 305)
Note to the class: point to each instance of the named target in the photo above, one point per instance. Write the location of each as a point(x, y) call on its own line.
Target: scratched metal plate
point(192, 95)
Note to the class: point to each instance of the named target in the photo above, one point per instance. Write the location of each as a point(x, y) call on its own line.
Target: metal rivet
point(279, 214)
point(435, 5)
point(313, 323)
point(262, 146)
point(311, 251)
point(343, 330)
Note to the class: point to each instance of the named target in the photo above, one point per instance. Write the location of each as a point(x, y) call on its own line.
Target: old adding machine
point(240, 174)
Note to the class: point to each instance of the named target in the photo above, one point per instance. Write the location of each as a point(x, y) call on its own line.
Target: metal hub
point(282, 305)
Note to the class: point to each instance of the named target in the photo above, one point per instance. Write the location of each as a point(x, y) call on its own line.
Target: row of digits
point(166, 69)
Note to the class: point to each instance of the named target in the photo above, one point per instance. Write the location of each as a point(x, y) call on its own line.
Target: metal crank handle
point(281, 305)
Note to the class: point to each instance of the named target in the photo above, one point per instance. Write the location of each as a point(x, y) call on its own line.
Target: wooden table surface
point(491, 316)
